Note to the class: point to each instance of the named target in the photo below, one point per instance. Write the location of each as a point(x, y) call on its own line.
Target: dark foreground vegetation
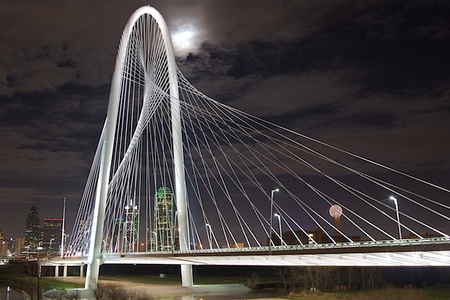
point(286, 282)
point(22, 277)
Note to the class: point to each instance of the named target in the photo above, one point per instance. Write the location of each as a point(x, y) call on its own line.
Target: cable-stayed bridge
point(181, 178)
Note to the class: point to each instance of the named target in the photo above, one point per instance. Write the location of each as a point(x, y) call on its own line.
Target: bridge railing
point(330, 246)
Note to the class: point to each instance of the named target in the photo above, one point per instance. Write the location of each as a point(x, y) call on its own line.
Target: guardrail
point(316, 246)
point(345, 245)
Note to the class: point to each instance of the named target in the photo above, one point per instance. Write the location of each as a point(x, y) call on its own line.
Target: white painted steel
point(95, 255)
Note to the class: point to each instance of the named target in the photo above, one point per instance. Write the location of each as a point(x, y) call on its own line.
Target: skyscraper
point(52, 233)
point(19, 244)
point(130, 228)
point(3, 245)
point(3, 248)
point(32, 229)
point(165, 235)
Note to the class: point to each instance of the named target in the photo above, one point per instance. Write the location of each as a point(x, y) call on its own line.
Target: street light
point(271, 214)
point(146, 239)
point(63, 246)
point(63, 234)
point(279, 226)
point(209, 234)
point(50, 245)
point(38, 250)
point(398, 216)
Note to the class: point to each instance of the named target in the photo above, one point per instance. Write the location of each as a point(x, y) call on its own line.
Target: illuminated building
point(3, 245)
point(52, 234)
point(3, 248)
point(32, 229)
point(15, 246)
point(130, 228)
point(164, 235)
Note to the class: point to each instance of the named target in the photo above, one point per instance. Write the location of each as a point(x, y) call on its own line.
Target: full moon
point(335, 211)
point(187, 36)
point(183, 40)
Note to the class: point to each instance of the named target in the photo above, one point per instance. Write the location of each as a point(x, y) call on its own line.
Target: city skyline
point(32, 220)
point(24, 226)
point(369, 78)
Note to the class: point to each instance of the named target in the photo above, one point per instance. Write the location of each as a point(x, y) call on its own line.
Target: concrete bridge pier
point(186, 276)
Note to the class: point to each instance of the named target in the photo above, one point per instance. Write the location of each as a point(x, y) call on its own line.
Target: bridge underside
point(382, 259)
point(437, 258)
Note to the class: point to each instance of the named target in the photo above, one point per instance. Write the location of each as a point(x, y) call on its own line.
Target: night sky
point(371, 77)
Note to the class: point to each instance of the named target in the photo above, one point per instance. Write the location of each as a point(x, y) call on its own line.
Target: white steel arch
point(96, 238)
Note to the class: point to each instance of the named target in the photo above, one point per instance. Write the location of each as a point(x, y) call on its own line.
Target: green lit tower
point(164, 233)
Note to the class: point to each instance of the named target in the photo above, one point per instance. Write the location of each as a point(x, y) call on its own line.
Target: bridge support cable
point(391, 192)
point(79, 238)
point(179, 173)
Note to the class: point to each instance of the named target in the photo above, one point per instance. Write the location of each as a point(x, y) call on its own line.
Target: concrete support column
point(65, 271)
point(56, 271)
point(81, 270)
point(187, 279)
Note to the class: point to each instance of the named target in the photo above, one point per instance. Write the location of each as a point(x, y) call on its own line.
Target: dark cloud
point(368, 76)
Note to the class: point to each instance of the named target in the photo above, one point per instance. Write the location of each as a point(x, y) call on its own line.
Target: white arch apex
point(95, 255)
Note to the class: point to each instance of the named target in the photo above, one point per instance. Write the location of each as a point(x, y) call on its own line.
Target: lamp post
point(63, 234)
point(38, 251)
point(209, 234)
point(64, 244)
point(50, 245)
point(398, 216)
point(271, 214)
point(146, 239)
point(279, 226)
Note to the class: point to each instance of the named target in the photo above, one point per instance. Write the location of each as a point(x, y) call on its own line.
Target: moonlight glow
point(183, 40)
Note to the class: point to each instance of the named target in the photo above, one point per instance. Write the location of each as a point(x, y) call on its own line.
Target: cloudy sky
point(371, 77)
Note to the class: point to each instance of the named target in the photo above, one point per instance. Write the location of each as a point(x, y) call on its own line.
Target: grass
point(14, 276)
point(18, 280)
point(437, 292)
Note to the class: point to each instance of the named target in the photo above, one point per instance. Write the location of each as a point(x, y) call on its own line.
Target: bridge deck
point(421, 252)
